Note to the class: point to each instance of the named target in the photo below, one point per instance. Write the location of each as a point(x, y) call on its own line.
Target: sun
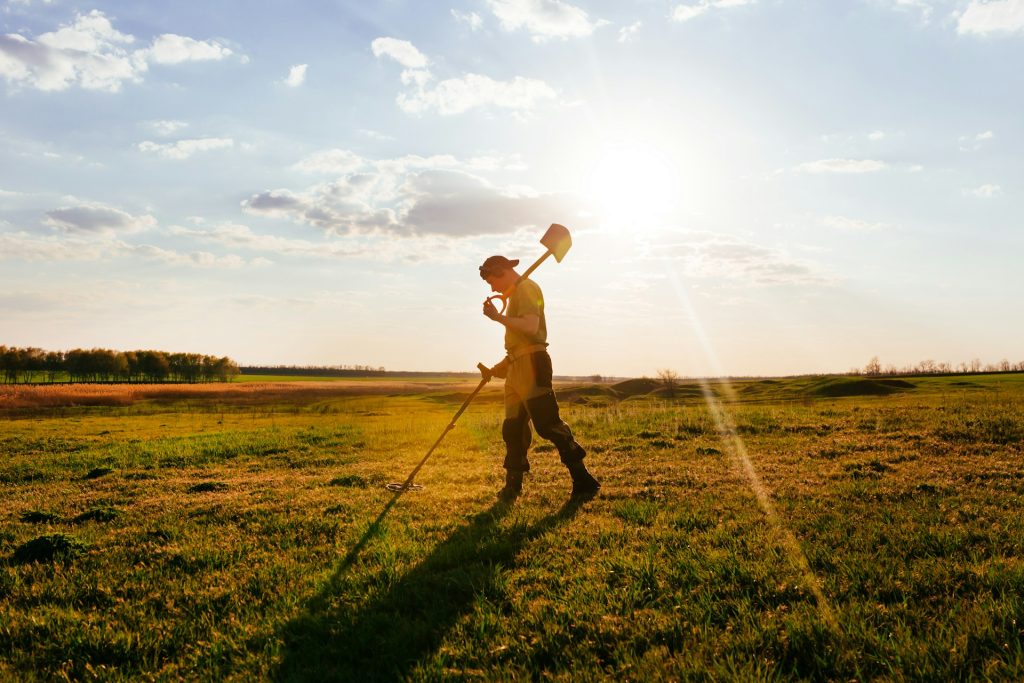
point(632, 187)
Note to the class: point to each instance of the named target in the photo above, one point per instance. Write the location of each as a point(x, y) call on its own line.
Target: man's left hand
point(490, 311)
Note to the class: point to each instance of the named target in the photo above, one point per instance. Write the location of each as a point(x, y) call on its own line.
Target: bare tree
point(669, 381)
point(874, 367)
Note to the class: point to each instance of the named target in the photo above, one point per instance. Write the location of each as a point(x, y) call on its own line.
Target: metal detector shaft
point(407, 484)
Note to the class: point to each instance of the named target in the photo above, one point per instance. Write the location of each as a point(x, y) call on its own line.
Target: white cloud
point(164, 128)
point(876, 135)
point(96, 219)
point(197, 259)
point(987, 191)
point(842, 166)
point(409, 196)
point(544, 19)
point(686, 12)
point(25, 246)
point(170, 48)
point(626, 33)
point(233, 235)
point(402, 51)
point(471, 19)
point(457, 95)
point(374, 135)
point(922, 6)
point(296, 76)
point(993, 16)
point(92, 54)
point(972, 143)
point(335, 161)
point(711, 255)
point(183, 149)
point(852, 224)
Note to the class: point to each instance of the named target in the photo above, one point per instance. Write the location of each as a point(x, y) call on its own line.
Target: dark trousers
point(530, 398)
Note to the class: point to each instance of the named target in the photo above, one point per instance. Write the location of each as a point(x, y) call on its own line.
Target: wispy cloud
point(987, 191)
point(457, 95)
point(626, 33)
point(686, 12)
point(92, 54)
point(991, 16)
point(544, 19)
point(163, 128)
point(174, 49)
point(96, 219)
point(922, 7)
point(842, 166)
point(296, 75)
point(402, 51)
point(972, 143)
point(25, 246)
point(852, 224)
point(183, 149)
point(470, 19)
point(711, 255)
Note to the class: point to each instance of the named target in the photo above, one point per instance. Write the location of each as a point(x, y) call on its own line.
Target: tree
point(874, 367)
point(669, 381)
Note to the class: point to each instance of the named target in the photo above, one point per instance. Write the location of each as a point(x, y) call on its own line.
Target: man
point(527, 373)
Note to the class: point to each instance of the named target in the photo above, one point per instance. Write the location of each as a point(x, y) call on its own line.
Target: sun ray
point(737, 450)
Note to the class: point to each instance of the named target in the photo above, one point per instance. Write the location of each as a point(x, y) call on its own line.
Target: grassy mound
point(39, 517)
point(636, 387)
point(834, 387)
point(54, 547)
point(208, 487)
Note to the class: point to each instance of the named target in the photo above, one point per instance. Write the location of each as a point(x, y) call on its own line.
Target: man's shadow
point(383, 639)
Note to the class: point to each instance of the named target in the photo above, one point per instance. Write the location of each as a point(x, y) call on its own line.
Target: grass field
point(804, 529)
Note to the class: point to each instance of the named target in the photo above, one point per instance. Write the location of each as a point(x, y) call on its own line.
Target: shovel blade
point(557, 240)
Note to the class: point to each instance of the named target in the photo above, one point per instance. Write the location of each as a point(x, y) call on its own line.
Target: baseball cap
point(495, 264)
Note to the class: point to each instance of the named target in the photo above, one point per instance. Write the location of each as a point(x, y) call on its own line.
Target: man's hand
point(501, 369)
point(490, 311)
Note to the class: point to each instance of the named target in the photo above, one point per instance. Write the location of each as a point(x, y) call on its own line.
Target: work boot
point(583, 483)
point(513, 486)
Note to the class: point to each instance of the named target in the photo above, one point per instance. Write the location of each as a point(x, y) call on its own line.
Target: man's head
point(499, 272)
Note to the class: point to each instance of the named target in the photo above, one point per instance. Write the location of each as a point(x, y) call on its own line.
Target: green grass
point(246, 540)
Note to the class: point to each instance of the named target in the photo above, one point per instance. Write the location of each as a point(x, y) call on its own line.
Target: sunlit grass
point(213, 538)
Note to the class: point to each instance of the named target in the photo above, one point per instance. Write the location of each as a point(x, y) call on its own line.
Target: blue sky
point(754, 187)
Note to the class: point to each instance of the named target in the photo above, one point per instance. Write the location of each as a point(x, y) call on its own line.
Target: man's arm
point(527, 324)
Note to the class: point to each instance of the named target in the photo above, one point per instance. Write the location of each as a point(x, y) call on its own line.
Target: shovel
point(558, 241)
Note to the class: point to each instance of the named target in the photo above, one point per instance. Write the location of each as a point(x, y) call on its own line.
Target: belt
point(521, 351)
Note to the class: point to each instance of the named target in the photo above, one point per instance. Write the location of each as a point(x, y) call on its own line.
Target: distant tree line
point(930, 367)
point(316, 370)
point(105, 365)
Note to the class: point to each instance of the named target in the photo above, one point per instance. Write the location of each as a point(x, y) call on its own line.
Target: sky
point(754, 187)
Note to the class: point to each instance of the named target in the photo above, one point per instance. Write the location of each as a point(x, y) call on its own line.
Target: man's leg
point(543, 409)
point(515, 431)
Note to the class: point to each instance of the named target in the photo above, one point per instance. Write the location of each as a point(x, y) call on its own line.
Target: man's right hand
point(501, 369)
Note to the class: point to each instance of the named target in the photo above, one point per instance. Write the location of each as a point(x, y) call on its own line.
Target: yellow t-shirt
point(526, 298)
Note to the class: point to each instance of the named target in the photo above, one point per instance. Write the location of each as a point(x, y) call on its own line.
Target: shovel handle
point(504, 301)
